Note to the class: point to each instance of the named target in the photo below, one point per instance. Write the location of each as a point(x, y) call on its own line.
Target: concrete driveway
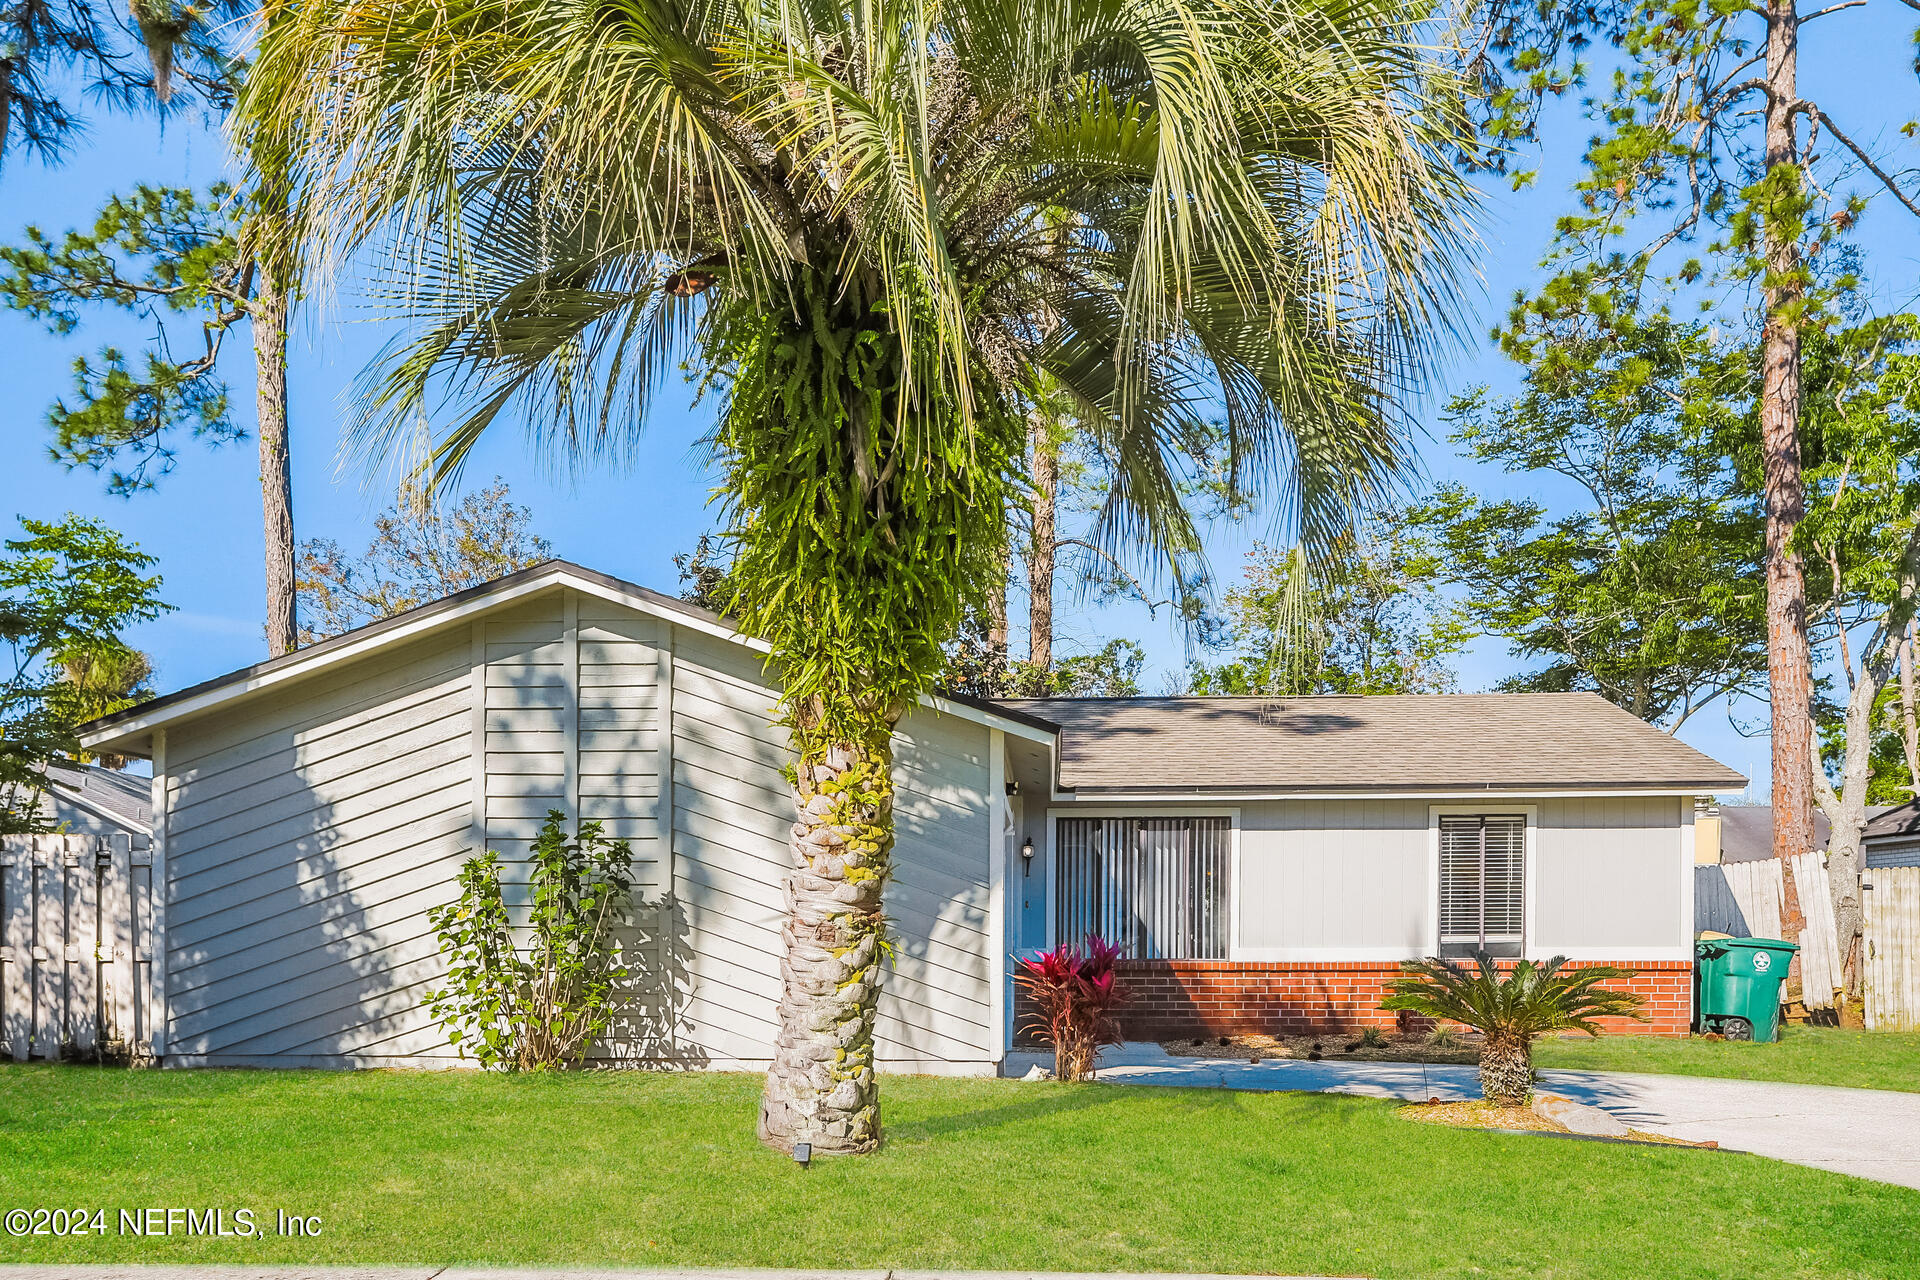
point(1869, 1133)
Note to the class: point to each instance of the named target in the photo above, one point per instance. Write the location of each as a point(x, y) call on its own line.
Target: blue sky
point(203, 520)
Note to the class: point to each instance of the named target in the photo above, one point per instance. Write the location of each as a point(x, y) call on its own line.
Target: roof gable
point(129, 730)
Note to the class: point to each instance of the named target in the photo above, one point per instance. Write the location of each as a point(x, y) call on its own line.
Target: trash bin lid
point(1760, 944)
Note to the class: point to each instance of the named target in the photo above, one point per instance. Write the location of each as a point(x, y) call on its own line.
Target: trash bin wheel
point(1737, 1029)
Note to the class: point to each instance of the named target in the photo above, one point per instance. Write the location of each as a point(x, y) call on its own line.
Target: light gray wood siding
point(732, 815)
point(1610, 875)
point(1334, 879)
point(1354, 879)
point(311, 831)
point(306, 838)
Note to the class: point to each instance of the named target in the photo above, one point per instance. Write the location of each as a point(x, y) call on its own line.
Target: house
point(1267, 863)
point(88, 800)
point(1892, 837)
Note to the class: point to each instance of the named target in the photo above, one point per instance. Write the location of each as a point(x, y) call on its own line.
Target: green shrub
point(1371, 1038)
point(1444, 1037)
point(1509, 1008)
point(542, 1006)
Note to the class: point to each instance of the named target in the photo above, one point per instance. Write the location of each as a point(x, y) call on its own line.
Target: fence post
point(80, 866)
point(116, 944)
point(16, 942)
point(49, 951)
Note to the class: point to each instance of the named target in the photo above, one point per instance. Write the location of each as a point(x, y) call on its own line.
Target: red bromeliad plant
point(1074, 991)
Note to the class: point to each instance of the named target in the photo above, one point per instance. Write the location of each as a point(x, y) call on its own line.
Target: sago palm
point(1510, 1009)
point(878, 232)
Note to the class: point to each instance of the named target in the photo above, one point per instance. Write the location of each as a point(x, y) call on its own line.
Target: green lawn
point(1804, 1055)
point(640, 1169)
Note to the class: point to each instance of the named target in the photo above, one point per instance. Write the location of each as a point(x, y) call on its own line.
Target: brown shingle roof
point(1430, 742)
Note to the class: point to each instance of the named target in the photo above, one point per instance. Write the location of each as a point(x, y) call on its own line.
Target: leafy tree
point(878, 234)
point(1511, 1010)
point(421, 550)
point(98, 681)
point(166, 252)
point(1649, 591)
point(1863, 528)
point(67, 591)
point(220, 256)
point(976, 666)
point(1372, 624)
point(703, 575)
point(1713, 167)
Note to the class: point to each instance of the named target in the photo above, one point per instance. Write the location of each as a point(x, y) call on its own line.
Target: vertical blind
point(1482, 884)
point(1160, 887)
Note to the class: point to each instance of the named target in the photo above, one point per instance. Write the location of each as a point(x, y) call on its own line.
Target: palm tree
point(1510, 1009)
point(874, 231)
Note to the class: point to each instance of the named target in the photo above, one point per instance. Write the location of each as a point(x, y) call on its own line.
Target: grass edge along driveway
point(635, 1169)
point(1803, 1055)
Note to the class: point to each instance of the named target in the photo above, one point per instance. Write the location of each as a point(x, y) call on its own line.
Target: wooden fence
point(76, 944)
point(1745, 899)
point(1893, 948)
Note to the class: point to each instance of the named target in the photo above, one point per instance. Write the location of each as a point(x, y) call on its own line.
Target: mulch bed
point(1480, 1114)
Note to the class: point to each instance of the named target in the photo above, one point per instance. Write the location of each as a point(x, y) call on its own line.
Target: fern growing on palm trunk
point(1510, 1009)
point(882, 234)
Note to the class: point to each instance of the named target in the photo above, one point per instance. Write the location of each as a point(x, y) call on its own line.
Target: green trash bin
point(1736, 986)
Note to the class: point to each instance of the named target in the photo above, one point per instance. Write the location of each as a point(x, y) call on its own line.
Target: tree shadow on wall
point(649, 1028)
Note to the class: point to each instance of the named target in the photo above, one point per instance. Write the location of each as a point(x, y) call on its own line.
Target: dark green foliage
point(159, 251)
point(539, 1005)
point(67, 591)
point(1648, 592)
point(703, 575)
point(865, 509)
point(973, 667)
point(1532, 998)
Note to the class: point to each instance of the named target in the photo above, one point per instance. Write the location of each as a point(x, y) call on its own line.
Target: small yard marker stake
point(802, 1153)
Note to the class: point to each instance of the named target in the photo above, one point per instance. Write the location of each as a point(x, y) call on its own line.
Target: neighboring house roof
point(114, 798)
point(1902, 822)
point(1414, 742)
point(1746, 832)
point(128, 730)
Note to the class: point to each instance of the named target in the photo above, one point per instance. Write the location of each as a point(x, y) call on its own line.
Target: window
point(1160, 887)
point(1483, 860)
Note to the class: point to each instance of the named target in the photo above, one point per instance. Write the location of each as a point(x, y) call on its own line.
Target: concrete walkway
point(1869, 1133)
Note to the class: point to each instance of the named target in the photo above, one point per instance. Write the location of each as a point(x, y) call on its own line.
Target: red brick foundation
point(1181, 999)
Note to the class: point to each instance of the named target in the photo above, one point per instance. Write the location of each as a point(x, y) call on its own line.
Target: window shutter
point(1482, 884)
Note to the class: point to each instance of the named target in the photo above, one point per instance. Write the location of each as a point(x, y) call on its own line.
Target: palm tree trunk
point(820, 1088)
point(269, 326)
point(1789, 663)
point(1044, 556)
point(1506, 1069)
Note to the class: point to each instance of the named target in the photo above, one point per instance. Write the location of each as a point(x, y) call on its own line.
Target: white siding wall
point(306, 840)
point(1611, 880)
point(1353, 879)
point(1333, 879)
point(313, 829)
